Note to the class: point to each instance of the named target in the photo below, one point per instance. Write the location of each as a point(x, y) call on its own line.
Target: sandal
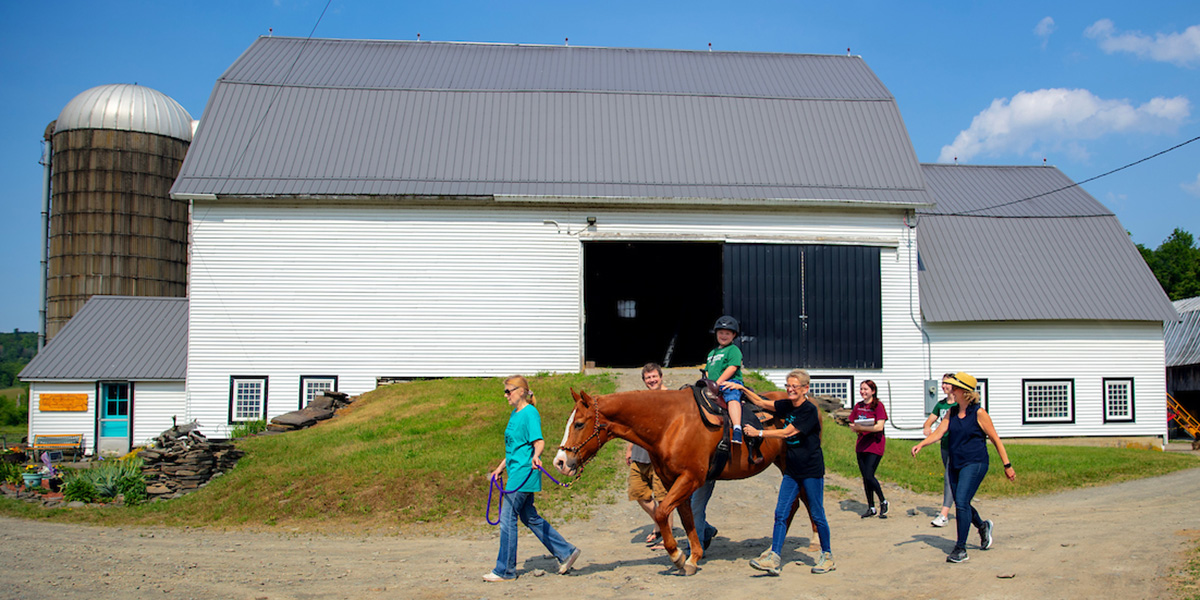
point(653, 538)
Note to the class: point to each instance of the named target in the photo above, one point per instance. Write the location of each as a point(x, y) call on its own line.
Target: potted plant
point(32, 476)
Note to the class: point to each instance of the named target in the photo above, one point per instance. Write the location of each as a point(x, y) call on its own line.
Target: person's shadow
point(934, 541)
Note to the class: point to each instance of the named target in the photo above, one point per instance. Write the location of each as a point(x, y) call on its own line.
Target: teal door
point(114, 410)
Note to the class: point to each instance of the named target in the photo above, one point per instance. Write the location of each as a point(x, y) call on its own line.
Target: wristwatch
point(1007, 465)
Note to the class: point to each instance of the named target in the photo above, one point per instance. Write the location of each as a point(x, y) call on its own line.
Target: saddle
point(709, 397)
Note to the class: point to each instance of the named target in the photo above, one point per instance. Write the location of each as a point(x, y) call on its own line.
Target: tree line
point(16, 350)
point(1176, 264)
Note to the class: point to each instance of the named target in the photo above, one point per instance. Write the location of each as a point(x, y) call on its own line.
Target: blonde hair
point(972, 397)
point(799, 375)
point(520, 382)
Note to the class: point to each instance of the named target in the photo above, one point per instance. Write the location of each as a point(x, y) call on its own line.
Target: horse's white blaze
point(560, 458)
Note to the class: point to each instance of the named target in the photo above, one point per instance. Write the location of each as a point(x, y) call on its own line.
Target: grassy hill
point(413, 457)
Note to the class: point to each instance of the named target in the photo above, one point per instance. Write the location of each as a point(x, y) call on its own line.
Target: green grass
point(1040, 469)
point(405, 455)
point(415, 456)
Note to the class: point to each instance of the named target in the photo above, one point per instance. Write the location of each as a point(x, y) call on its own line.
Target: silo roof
point(126, 107)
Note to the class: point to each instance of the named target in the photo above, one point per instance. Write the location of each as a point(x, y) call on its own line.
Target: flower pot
point(32, 480)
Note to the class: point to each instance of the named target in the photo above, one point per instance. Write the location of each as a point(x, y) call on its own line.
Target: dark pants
point(964, 481)
point(867, 464)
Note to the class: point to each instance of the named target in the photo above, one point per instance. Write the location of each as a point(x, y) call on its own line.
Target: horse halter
point(596, 427)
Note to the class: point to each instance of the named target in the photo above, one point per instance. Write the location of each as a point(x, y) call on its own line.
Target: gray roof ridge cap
point(889, 98)
point(563, 46)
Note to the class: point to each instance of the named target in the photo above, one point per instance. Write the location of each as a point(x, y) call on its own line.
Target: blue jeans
point(964, 481)
point(699, 502)
point(789, 490)
point(520, 504)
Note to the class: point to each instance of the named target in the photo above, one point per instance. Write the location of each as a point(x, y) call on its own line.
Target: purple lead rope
point(497, 484)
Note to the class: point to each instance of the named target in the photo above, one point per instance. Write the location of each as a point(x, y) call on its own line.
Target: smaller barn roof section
point(336, 118)
point(117, 337)
point(987, 254)
point(1182, 338)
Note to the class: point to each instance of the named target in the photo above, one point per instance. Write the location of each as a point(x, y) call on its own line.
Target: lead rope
point(497, 484)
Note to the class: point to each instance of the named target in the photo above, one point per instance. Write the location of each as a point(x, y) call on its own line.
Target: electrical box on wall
point(932, 387)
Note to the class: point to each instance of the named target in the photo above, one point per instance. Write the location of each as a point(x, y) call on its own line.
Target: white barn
point(387, 210)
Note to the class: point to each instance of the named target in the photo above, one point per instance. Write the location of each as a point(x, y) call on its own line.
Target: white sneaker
point(939, 521)
point(567, 564)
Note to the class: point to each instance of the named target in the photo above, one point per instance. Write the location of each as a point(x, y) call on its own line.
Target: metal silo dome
point(113, 228)
point(126, 107)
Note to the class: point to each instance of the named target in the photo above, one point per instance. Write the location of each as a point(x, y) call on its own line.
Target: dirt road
point(1120, 541)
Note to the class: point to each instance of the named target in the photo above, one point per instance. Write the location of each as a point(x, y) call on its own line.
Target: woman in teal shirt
point(523, 445)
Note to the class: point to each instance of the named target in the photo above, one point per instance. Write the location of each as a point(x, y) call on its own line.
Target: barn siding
point(154, 404)
point(370, 291)
point(55, 423)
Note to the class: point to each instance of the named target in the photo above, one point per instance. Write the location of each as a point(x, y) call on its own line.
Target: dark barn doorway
point(650, 301)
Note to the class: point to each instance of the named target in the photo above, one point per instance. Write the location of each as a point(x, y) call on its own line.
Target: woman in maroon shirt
point(867, 419)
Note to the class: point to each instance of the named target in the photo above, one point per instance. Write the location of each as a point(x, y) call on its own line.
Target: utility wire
point(967, 213)
point(279, 89)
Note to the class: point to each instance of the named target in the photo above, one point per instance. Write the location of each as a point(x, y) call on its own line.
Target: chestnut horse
point(680, 441)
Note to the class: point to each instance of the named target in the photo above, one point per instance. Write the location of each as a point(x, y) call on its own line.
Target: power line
point(967, 213)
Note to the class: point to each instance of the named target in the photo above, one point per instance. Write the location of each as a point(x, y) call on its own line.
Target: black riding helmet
point(726, 322)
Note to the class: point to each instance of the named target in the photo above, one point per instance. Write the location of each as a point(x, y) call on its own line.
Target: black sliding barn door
point(806, 306)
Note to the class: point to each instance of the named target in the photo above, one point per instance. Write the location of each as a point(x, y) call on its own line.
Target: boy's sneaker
point(883, 508)
point(769, 563)
point(492, 577)
point(870, 512)
point(985, 535)
point(957, 555)
point(825, 564)
point(566, 564)
point(737, 435)
point(940, 521)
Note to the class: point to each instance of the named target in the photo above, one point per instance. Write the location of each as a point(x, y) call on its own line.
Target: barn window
point(247, 398)
point(312, 385)
point(838, 387)
point(1118, 400)
point(1049, 401)
point(981, 386)
point(627, 309)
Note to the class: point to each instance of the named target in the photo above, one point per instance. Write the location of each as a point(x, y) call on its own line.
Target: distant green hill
point(16, 350)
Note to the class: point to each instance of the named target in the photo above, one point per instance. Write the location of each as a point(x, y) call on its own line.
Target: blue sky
point(1087, 86)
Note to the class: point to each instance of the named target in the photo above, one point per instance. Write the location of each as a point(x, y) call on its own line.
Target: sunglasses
point(508, 391)
point(795, 387)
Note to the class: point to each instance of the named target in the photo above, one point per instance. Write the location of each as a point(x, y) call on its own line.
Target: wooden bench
point(69, 442)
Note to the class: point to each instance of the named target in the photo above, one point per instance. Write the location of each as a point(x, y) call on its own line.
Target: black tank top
point(968, 443)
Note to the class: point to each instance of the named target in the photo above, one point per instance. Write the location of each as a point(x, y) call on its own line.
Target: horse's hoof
point(678, 558)
point(689, 569)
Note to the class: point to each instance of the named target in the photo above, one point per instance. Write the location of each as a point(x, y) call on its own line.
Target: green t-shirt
point(940, 409)
point(722, 358)
point(524, 428)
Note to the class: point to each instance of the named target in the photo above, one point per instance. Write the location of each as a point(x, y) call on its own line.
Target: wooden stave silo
point(114, 229)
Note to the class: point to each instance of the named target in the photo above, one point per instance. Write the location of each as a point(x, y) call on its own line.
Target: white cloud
point(1060, 120)
point(1043, 30)
point(1182, 49)
point(1192, 188)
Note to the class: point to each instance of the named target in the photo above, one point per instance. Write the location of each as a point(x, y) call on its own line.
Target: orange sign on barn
point(63, 402)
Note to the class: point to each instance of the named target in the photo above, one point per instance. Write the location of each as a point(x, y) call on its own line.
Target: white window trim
point(1025, 389)
point(233, 384)
point(1131, 415)
point(307, 379)
point(847, 399)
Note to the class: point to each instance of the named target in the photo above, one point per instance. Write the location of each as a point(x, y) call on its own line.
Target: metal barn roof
point(302, 118)
point(1059, 256)
point(117, 337)
point(1182, 338)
